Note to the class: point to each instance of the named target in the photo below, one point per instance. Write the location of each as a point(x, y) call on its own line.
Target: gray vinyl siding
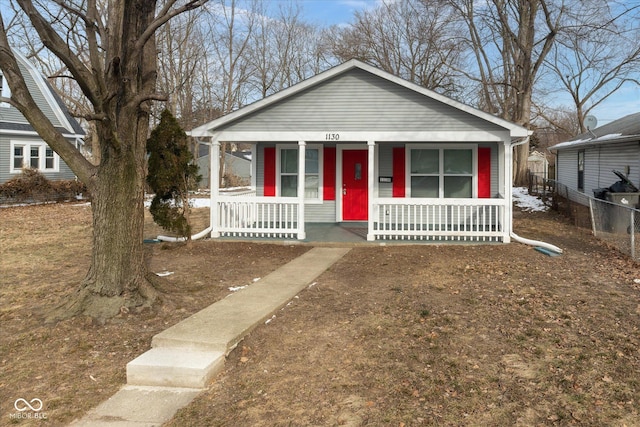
point(64, 172)
point(599, 163)
point(5, 155)
point(325, 212)
point(11, 115)
point(357, 101)
point(260, 169)
point(385, 168)
point(567, 168)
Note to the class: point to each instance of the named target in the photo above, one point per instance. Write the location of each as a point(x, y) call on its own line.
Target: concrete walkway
point(185, 357)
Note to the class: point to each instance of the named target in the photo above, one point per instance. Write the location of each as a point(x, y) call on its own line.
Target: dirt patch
point(395, 335)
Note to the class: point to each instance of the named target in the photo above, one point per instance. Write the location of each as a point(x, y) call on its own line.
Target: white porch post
point(302, 145)
point(371, 145)
point(508, 183)
point(214, 154)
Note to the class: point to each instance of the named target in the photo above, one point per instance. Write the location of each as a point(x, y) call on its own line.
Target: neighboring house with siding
point(585, 163)
point(237, 164)
point(20, 145)
point(355, 144)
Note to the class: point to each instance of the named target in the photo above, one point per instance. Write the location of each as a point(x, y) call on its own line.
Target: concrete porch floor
point(346, 232)
point(321, 233)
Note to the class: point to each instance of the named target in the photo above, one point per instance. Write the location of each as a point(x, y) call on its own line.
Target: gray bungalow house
point(20, 145)
point(585, 163)
point(356, 144)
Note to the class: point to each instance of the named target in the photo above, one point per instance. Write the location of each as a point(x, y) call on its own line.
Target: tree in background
point(597, 53)
point(172, 174)
point(412, 39)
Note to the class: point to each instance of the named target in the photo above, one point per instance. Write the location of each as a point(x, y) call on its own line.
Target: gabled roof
point(625, 129)
point(516, 131)
point(68, 124)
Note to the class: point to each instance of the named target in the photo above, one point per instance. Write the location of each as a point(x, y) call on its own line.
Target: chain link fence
point(613, 223)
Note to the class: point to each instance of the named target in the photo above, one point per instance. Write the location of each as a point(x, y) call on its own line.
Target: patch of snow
point(237, 288)
point(610, 136)
point(527, 202)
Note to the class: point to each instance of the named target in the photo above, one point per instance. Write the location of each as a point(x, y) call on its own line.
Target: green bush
point(172, 173)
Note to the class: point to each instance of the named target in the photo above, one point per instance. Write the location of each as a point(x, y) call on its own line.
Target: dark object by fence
point(621, 186)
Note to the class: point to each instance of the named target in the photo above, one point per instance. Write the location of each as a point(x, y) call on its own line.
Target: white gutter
point(522, 240)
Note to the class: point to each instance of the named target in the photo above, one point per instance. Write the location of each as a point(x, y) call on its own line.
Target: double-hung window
point(288, 172)
point(442, 172)
point(34, 155)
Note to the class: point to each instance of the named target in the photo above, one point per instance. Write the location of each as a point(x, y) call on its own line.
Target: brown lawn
point(392, 335)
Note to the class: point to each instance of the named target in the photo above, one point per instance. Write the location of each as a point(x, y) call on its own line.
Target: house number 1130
point(331, 136)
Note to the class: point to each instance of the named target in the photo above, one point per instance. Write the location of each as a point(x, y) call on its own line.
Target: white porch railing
point(252, 216)
point(479, 220)
point(438, 219)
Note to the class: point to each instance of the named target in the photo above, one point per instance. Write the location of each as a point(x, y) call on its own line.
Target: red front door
point(354, 185)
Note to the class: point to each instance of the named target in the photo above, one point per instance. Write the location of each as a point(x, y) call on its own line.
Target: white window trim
point(26, 160)
point(441, 147)
point(6, 92)
point(319, 147)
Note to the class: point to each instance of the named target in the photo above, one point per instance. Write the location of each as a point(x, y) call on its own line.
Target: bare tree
point(509, 41)
point(117, 74)
point(411, 39)
point(230, 28)
point(181, 48)
point(597, 52)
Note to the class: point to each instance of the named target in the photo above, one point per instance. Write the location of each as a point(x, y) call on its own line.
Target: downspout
point(522, 240)
point(196, 236)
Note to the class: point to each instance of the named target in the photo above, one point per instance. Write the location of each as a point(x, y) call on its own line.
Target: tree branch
point(57, 45)
point(163, 16)
point(22, 99)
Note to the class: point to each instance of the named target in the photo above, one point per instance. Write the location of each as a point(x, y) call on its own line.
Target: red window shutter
point(399, 175)
point(329, 173)
point(484, 172)
point(270, 171)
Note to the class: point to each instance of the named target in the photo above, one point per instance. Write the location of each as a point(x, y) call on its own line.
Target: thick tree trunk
point(117, 278)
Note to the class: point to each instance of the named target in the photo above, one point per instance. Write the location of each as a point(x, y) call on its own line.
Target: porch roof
point(209, 129)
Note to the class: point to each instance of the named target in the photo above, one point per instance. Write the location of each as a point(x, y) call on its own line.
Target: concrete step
point(135, 406)
point(174, 367)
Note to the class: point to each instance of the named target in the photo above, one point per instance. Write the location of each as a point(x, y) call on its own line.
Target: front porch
point(391, 219)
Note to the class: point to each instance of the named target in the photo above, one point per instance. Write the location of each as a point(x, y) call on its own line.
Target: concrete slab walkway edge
point(185, 357)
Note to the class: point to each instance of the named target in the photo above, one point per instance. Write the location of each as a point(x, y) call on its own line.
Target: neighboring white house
point(585, 163)
point(538, 164)
point(20, 145)
point(357, 144)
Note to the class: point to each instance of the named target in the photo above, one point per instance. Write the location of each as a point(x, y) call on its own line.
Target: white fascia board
point(321, 136)
point(38, 78)
point(515, 130)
